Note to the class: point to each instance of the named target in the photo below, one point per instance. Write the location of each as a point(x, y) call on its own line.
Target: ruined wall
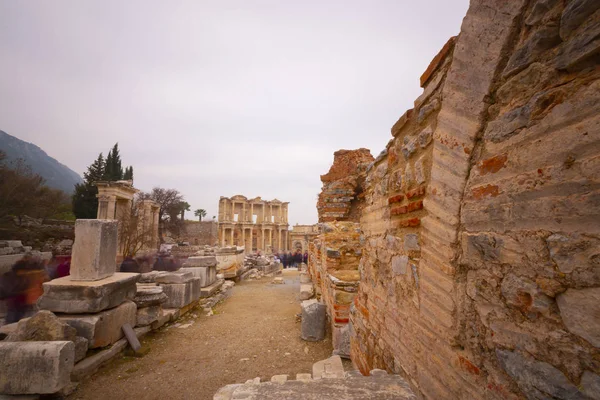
point(199, 233)
point(479, 272)
point(335, 253)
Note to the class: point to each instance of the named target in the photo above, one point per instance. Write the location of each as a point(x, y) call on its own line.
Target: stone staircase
point(328, 380)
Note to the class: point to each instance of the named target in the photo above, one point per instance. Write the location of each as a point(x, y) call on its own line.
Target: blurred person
point(22, 286)
point(129, 265)
point(64, 268)
point(284, 260)
point(305, 258)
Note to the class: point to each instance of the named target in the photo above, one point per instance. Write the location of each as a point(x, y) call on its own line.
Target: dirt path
point(253, 333)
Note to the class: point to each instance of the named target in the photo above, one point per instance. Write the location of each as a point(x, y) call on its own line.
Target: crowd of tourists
point(293, 260)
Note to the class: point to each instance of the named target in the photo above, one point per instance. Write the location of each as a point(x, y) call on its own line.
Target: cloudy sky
point(216, 98)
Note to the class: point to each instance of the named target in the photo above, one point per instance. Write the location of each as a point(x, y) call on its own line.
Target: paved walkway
point(252, 334)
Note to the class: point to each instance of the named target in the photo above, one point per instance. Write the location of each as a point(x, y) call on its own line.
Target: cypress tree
point(84, 201)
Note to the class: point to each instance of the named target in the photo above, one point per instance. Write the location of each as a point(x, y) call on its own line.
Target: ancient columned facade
point(256, 224)
point(115, 200)
point(301, 235)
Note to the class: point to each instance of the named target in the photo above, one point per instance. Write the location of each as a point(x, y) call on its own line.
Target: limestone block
point(575, 13)
point(329, 368)
point(580, 312)
point(537, 379)
point(212, 289)
point(35, 367)
point(590, 384)
point(314, 316)
point(174, 277)
point(207, 274)
point(147, 296)
point(95, 249)
point(104, 328)
point(74, 297)
point(304, 277)
point(524, 294)
point(399, 264)
point(281, 379)
point(44, 326)
point(81, 348)
point(341, 340)
point(181, 294)
point(148, 315)
point(202, 261)
point(306, 292)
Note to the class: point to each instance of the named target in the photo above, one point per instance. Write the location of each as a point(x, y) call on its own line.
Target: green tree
point(183, 207)
point(128, 175)
point(200, 213)
point(170, 201)
point(84, 201)
point(113, 170)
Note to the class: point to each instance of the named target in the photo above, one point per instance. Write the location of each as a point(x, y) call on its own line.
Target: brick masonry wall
point(200, 233)
point(480, 272)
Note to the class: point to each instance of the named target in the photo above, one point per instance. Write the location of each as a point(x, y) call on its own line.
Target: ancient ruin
point(255, 224)
point(471, 263)
point(301, 236)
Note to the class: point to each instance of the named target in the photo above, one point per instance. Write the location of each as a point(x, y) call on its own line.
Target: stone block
point(306, 292)
point(44, 326)
point(203, 261)
point(537, 379)
point(81, 348)
point(304, 277)
point(314, 315)
point(181, 294)
point(104, 328)
point(580, 312)
point(95, 249)
point(330, 368)
point(148, 315)
point(147, 296)
point(74, 297)
point(211, 289)
point(207, 274)
point(35, 367)
point(341, 341)
point(174, 277)
point(399, 264)
point(590, 384)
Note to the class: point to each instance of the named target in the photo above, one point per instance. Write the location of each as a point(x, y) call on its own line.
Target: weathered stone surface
point(427, 109)
point(537, 380)
point(306, 292)
point(538, 42)
point(147, 296)
point(148, 315)
point(304, 278)
point(525, 295)
point(314, 316)
point(580, 312)
point(95, 249)
point(104, 328)
point(399, 264)
point(590, 385)
point(209, 290)
point(575, 14)
point(539, 10)
point(66, 296)
point(341, 341)
point(425, 136)
point(200, 261)
point(181, 276)
point(331, 368)
point(384, 387)
point(207, 275)
point(581, 49)
point(81, 348)
point(35, 367)
point(181, 294)
point(44, 326)
point(411, 242)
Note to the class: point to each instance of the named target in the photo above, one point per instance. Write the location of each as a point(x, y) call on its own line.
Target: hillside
point(57, 175)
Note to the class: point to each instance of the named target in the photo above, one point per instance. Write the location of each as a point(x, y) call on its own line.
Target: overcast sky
point(216, 98)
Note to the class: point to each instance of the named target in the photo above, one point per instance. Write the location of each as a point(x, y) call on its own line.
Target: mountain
point(57, 175)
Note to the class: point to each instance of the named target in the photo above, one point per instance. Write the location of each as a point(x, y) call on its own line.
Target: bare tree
point(135, 230)
point(170, 201)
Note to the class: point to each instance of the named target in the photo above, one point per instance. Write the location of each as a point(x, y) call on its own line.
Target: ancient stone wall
point(199, 233)
point(479, 270)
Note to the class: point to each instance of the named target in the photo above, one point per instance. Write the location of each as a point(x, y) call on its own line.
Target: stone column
point(262, 240)
point(252, 212)
point(244, 236)
point(279, 244)
point(222, 236)
point(231, 244)
point(251, 239)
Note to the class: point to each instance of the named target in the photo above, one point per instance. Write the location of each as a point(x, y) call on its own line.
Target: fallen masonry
point(328, 381)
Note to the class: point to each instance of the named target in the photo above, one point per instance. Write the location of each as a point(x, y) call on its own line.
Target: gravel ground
point(253, 333)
